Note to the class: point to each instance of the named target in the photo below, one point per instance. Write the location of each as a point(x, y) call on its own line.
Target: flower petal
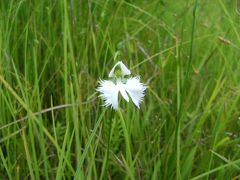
point(122, 90)
point(109, 94)
point(124, 69)
point(135, 90)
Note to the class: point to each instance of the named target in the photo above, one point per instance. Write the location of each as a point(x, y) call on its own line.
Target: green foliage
point(52, 124)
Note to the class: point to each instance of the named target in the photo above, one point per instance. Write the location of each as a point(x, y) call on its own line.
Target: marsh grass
point(52, 124)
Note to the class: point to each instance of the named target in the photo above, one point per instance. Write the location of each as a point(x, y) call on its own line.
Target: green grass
point(52, 122)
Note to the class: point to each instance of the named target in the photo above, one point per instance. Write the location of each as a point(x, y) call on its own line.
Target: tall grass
point(52, 123)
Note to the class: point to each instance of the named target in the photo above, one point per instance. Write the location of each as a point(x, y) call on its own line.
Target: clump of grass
point(52, 124)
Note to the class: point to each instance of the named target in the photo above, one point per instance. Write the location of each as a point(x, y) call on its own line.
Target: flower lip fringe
point(128, 87)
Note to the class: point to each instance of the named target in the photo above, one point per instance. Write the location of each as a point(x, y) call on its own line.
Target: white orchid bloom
point(131, 87)
point(135, 89)
point(125, 70)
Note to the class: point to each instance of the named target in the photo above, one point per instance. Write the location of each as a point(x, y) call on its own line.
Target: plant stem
point(128, 146)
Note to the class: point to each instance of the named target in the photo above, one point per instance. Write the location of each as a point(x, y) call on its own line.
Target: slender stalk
point(108, 148)
point(127, 143)
point(192, 37)
point(84, 154)
point(28, 156)
point(179, 104)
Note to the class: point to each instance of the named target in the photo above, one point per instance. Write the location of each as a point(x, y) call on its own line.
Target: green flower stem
point(128, 147)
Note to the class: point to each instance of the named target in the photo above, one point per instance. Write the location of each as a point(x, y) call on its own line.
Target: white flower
point(125, 70)
point(135, 89)
point(132, 87)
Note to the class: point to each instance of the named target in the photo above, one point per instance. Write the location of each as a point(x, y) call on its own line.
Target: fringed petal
point(109, 93)
point(135, 89)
